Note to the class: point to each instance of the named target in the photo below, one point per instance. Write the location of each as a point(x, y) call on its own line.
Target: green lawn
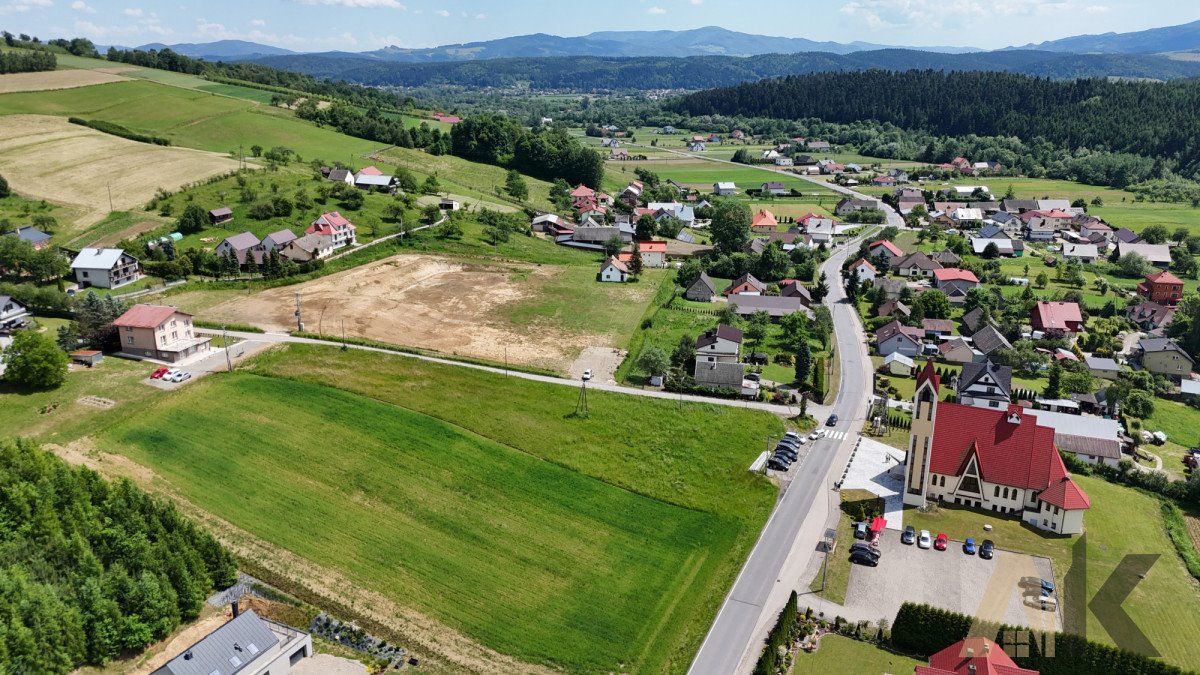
point(1165, 605)
point(837, 654)
point(17, 211)
point(703, 174)
point(191, 118)
point(835, 579)
point(468, 179)
point(645, 446)
point(531, 558)
point(57, 416)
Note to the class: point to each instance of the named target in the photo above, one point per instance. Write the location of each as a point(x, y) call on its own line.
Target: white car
point(924, 540)
point(587, 374)
point(819, 433)
point(180, 376)
point(169, 376)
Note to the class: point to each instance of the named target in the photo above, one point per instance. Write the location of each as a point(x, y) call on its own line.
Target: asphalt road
point(761, 588)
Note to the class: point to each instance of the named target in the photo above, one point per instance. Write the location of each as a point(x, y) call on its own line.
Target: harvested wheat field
point(55, 79)
point(50, 158)
point(453, 306)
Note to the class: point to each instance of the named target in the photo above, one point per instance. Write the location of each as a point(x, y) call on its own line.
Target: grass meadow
point(191, 118)
point(837, 654)
point(531, 558)
point(591, 544)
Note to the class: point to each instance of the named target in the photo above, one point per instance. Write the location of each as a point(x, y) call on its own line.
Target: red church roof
point(1065, 494)
point(1018, 453)
point(972, 656)
point(929, 373)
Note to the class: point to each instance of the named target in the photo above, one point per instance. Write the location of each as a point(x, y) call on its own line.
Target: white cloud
point(258, 22)
point(943, 13)
point(81, 6)
point(481, 16)
point(1096, 9)
point(696, 2)
point(132, 12)
point(374, 4)
point(443, 13)
point(20, 6)
point(656, 10)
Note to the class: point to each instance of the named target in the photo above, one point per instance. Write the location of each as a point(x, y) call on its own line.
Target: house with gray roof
point(245, 645)
point(33, 236)
point(973, 320)
point(985, 385)
point(702, 289)
point(720, 375)
point(1163, 356)
point(990, 339)
point(10, 309)
point(277, 240)
point(1103, 368)
point(105, 268)
point(239, 245)
point(916, 264)
point(776, 306)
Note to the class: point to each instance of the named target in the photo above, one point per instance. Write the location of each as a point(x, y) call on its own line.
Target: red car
point(941, 541)
point(158, 373)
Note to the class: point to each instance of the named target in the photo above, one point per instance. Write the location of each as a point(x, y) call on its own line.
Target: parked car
point(790, 442)
point(791, 434)
point(158, 373)
point(941, 542)
point(784, 460)
point(909, 537)
point(785, 456)
point(860, 530)
point(1044, 586)
point(969, 546)
point(866, 548)
point(754, 377)
point(924, 540)
point(863, 558)
point(987, 549)
point(832, 421)
point(587, 374)
point(171, 372)
point(777, 465)
point(180, 376)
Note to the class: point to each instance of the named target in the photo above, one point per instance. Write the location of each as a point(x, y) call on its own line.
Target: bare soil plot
point(55, 79)
point(49, 158)
point(443, 304)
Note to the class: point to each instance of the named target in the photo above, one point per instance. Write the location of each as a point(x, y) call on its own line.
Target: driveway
point(950, 579)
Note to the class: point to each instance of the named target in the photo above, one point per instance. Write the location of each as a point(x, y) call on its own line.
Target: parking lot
point(952, 580)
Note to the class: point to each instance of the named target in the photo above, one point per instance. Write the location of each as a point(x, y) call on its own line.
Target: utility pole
point(225, 335)
point(581, 408)
point(506, 361)
point(299, 320)
point(110, 201)
point(344, 335)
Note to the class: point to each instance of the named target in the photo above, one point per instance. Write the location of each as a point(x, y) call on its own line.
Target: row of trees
point(27, 61)
point(91, 568)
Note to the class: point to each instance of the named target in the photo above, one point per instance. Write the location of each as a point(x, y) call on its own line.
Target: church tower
point(920, 441)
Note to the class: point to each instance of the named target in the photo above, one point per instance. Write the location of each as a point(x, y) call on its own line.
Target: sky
point(361, 25)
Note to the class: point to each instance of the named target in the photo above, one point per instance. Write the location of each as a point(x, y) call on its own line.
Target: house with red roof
point(158, 332)
point(885, 248)
point(864, 270)
point(338, 228)
point(955, 282)
point(1161, 287)
point(1063, 316)
point(895, 337)
point(998, 460)
point(582, 191)
point(764, 222)
point(972, 656)
point(447, 119)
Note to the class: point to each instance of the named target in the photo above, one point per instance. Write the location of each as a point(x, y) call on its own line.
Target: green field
point(1165, 605)
point(531, 558)
point(191, 118)
point(480, 501)
point(702, 174)
point(837, 654)
point(462, 177)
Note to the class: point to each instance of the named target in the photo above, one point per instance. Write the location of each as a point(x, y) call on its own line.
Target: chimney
point(235, 609)
point(971, 669)
point(987, 648)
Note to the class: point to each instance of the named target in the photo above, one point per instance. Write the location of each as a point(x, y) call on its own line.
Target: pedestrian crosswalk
point(836, 435)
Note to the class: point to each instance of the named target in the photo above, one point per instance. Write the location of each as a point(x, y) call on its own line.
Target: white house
point(105, 268)
point(724, 189)
point(614, 270)
point(865, 271)
point(722, 344)
point(11, 309)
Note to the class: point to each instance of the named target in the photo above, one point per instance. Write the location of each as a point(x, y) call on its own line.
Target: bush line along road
point(769, 574)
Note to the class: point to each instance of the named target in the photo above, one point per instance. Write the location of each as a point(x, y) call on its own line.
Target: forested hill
point(1156, 120)
point(590, 73)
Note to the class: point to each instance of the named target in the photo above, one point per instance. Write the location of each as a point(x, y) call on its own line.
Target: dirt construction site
point(447, 305)
point(49, 158)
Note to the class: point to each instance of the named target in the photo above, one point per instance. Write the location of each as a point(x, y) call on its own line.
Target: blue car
point(969, 546)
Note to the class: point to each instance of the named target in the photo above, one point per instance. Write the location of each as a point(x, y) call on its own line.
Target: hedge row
point(779, 640)
point(118, 130)
point(925, 630)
